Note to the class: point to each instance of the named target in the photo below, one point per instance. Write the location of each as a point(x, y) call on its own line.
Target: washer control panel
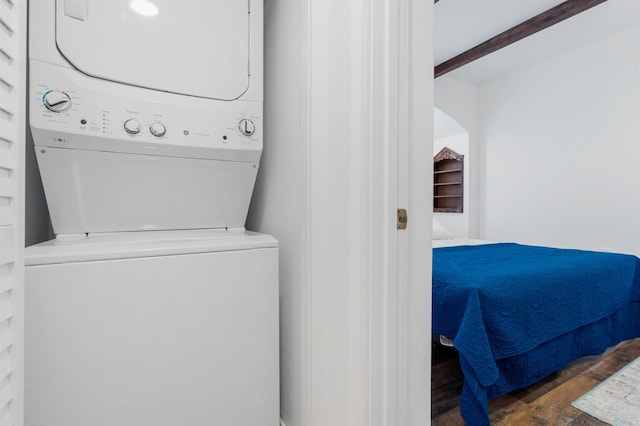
point(61, 107)
point(138, 124)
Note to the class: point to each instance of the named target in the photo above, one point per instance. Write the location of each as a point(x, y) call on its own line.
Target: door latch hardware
point(402, 219)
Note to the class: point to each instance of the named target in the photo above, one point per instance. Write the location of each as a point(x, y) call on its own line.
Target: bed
point(517, 313)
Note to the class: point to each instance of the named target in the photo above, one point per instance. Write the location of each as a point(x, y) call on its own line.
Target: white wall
point(460, 100)
point(284, 213)
point(457, 223)
point(562, 149)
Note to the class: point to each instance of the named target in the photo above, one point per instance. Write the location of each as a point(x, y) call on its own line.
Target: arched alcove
point(449, 133)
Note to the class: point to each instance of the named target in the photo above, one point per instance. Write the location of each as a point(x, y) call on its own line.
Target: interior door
point(198, 49)
point(13, 55)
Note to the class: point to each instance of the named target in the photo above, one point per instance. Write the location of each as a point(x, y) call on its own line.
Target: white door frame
point(381, 299)
point(403, 350)
point(348, 140)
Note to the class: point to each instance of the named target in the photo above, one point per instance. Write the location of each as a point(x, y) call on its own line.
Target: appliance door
point(199, 49)
point(160, 341)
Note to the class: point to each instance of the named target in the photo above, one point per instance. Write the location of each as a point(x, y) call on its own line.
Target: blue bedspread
point(518, 313)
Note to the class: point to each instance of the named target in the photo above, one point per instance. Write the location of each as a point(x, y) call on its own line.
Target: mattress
point(452, 242)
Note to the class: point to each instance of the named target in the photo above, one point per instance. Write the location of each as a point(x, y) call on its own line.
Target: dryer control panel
point(135, 122)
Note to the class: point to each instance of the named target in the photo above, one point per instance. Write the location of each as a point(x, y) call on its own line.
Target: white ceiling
point(462, 24)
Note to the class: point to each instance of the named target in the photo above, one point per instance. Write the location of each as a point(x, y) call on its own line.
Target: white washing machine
point(174, 328)
point(153, 305)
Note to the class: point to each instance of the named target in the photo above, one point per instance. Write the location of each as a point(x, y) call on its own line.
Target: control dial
point(56, 101)
point(132, 126)
point(157, 129)
point(247, 127)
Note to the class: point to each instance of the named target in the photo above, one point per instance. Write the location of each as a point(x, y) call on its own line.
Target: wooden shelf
point(447, 183)
point(437, 172)
point(448, 169)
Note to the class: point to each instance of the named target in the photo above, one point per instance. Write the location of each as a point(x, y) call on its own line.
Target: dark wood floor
point(545, 403)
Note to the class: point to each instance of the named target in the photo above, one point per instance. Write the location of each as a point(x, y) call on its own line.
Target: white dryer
point(146, 114)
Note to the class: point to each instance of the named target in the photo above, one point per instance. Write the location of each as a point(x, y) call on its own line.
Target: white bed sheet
point(451, 242)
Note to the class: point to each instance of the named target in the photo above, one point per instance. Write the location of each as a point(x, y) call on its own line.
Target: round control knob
point(247, 127)
point(157, 129)
point(132, 126)
point(56, 101)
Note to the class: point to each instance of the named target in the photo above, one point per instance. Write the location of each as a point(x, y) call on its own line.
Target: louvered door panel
point(12, 137)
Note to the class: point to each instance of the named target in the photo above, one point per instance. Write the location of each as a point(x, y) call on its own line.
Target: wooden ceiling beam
point(531, 26)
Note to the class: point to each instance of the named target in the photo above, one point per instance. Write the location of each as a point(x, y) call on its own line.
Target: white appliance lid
point(196, 47)
point(130, 245)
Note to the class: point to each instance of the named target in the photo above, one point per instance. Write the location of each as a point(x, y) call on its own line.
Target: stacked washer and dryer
point(153, 305)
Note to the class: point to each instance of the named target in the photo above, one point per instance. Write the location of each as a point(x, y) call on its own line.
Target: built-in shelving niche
point(448, 188)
